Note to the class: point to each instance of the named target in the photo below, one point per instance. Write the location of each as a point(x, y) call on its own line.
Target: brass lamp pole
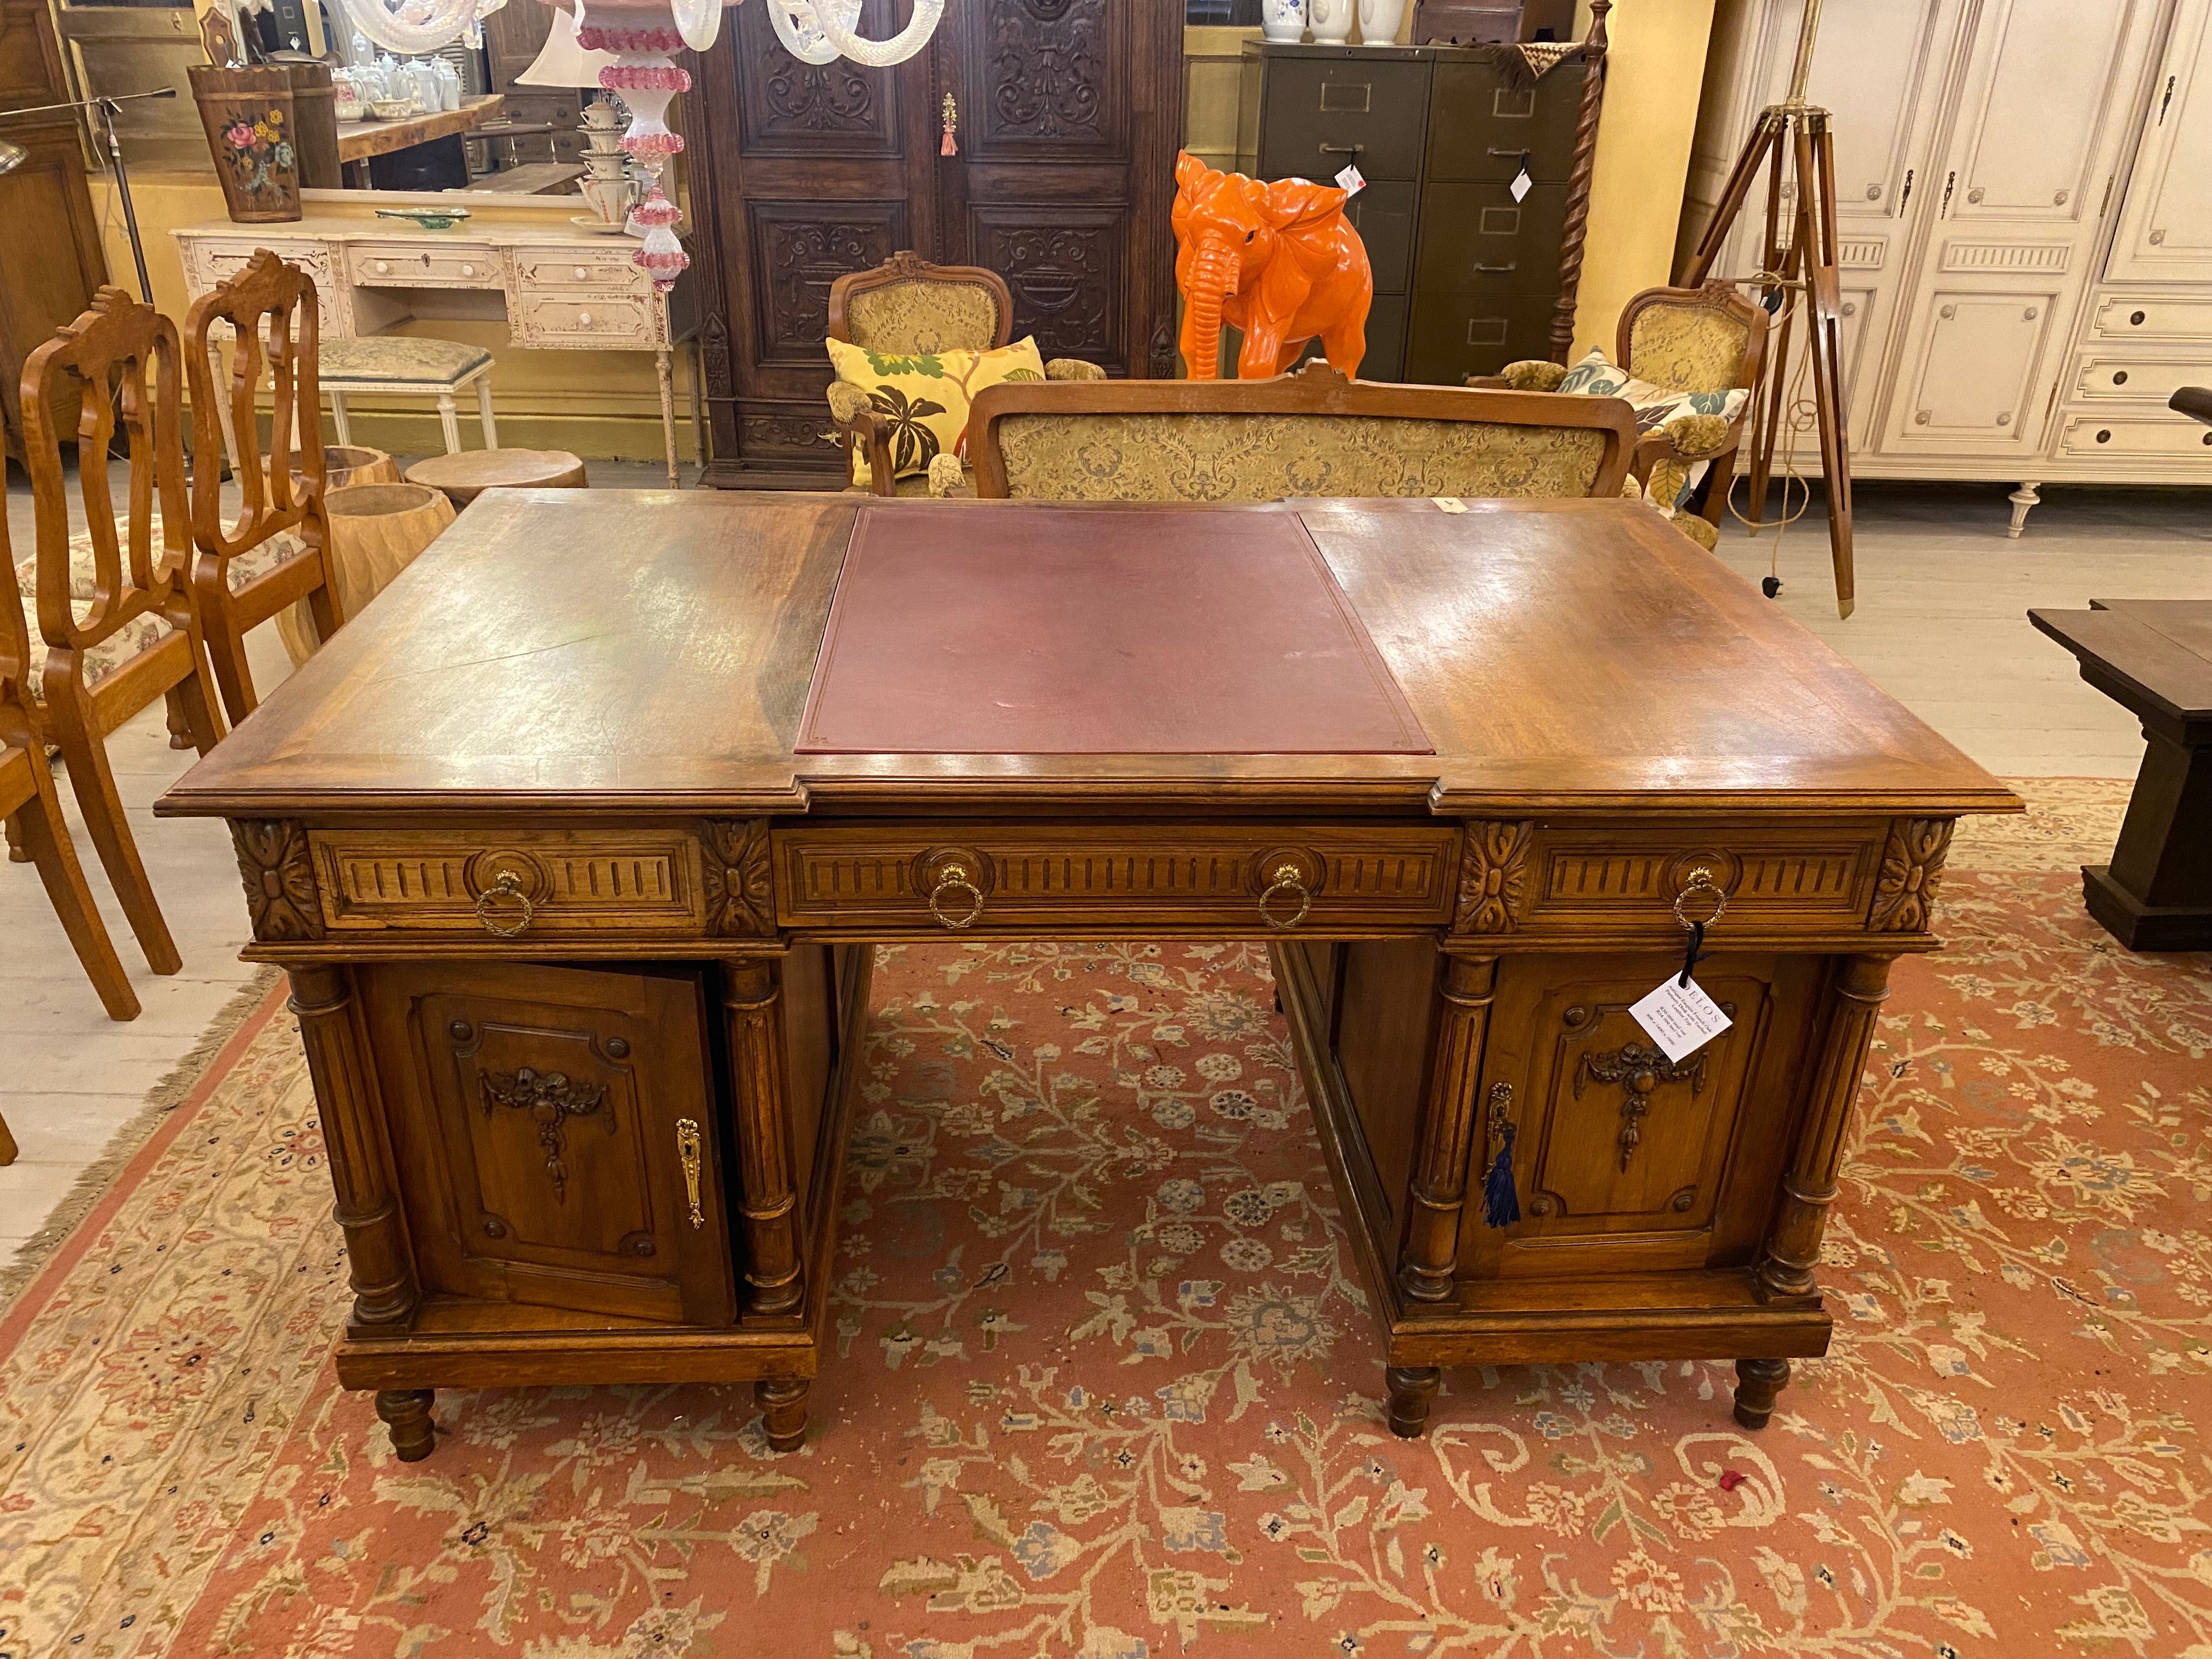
point(1799, 254)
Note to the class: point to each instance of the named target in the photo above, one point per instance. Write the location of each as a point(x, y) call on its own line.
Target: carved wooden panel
point(739, 883)
point(554, 1137)
point(1049, 875)
point(1043, 75)
point(1911, 863)
point(809, 112)
point(575, 881)
point(1624, 1162)
point(1610, 879)
point(1065, 269)
point(796, 250)
point(797, 436)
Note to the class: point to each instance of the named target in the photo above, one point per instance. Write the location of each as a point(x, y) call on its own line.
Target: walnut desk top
point(631, 652)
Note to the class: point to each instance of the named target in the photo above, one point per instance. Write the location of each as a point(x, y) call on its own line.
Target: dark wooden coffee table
point(2153, 658)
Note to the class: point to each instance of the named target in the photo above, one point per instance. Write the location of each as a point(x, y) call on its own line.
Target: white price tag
point(1449, 503)
point(1522, 184)
point(1681, 1019)
point(1349, 180)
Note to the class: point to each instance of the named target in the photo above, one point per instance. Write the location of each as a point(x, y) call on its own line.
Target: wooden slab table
point(359, 140)
point(577, 883)
point(2153, 658)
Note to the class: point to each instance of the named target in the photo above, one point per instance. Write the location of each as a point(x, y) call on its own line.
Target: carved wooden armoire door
point(1069, 113)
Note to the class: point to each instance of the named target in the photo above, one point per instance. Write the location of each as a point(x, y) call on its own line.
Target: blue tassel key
point(1501, 1204)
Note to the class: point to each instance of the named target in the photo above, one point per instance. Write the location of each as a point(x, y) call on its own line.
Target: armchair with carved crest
point(908, 306)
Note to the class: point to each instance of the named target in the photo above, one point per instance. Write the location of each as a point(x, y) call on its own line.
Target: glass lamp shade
point(12, 156)
point(562, 61)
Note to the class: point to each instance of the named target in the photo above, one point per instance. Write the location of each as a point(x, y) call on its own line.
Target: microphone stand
point(108, 109)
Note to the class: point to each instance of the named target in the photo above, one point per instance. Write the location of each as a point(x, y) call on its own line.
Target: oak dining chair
point(277, 550)
point(30, 802)
point(116, 627)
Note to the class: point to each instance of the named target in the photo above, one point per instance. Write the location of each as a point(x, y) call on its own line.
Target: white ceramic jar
point(1283, 20)
point(1331, 21)
point(1379, 20)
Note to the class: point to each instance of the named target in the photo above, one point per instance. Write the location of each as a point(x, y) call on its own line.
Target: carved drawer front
point(410, 264)
point(1625, 1161)
point(1061, 875)
point(1613, 881)
point(2109, 377)
point(214, 261)
point(568, 267)
point(515, 882)
point(619, 321)
point(554, 1137)
point(2158, 433)
point(2153, 318)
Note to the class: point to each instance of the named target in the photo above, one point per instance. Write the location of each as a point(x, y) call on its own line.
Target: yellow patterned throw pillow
point(923, 397)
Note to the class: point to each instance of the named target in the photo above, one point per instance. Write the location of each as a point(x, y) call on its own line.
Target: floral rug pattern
point(1104, 1382)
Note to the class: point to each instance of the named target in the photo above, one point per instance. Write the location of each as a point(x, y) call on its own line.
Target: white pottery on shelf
point(1283, 20)
point(1331, 21)
point(1379, 20)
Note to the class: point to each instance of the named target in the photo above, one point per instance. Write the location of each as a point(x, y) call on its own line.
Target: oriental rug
point(1104, 1382)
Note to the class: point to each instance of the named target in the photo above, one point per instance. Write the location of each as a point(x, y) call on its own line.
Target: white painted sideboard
point(2024, 193)
point(561, 287)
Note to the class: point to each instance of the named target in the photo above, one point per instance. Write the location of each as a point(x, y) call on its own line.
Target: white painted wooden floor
point(1941, 624)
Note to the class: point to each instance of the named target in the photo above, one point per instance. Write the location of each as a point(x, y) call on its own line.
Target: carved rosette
point(740, 881)
point(1912, 864)
point(1494, 876)
point(280, 879)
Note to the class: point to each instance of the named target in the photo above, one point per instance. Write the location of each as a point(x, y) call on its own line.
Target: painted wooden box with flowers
point(252, 132)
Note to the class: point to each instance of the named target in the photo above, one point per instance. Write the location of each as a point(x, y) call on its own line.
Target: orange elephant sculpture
point(1279, 262)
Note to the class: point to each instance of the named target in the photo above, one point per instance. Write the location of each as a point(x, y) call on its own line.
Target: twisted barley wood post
point(1578, 183)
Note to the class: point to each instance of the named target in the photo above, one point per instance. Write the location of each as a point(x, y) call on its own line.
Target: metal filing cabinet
point(1466, 279)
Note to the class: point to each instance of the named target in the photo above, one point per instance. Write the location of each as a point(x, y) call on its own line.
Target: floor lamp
point(13, 155)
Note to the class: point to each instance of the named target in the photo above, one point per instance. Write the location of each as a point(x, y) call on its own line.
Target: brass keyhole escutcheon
point(688, 1149)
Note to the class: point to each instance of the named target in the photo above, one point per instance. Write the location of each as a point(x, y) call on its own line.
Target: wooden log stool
point(354, 464)
point(376, 532)
point(465, 475)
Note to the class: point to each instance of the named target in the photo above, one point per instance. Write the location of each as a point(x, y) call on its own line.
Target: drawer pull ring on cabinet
point(954, 879)
point(1700, 884)
point(1283, 879)
point(508, 886)
point(687, 1149)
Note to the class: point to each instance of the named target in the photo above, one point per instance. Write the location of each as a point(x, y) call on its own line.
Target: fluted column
point(1438, 1192)
point(379, 1264)
point(1808, 1184)
point(752, 1000)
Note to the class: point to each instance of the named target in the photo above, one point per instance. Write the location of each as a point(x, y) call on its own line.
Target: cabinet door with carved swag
point(1624, 1159)
point(554, 1136)
point(1069, 115)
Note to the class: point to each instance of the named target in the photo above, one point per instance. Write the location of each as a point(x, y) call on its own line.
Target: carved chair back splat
point(106, 356)
point(270, 309)
point(32, 808)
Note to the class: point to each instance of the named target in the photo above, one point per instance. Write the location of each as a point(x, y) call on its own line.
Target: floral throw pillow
point(923, 398)
point(1597, 376)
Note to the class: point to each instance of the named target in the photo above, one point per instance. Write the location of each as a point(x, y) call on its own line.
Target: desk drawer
point(570, 267)
point(1124, 878)
point(410, 264)
point(1615, 881)
point(575, 881)
point(2163, 434)
point(601, 320)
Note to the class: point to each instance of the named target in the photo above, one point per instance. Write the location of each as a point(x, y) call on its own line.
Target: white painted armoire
point(2024, 189)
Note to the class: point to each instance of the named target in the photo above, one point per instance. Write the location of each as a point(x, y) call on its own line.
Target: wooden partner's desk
point(578, 935)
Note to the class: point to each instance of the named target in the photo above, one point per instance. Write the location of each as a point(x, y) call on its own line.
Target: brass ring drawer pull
point(953, 878)
point(687, 1148)
point(1701, 883)
point(1285, 880)
point(507, 887)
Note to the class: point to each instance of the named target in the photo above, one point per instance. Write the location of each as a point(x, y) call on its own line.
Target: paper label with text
point(1522, 184)
point(1681, 1019)
point(1350, 180)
